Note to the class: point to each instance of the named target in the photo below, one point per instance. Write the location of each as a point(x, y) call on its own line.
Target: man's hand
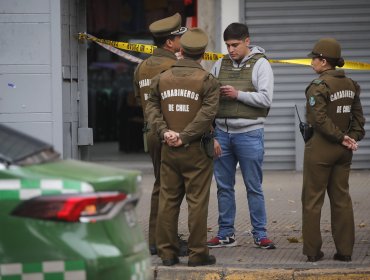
point(217, 148)
point(229, 91)
point(350, 143)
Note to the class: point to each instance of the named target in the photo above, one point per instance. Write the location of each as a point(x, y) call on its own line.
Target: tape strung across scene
point(116, 48)
point(351, 65)
point(109, 47)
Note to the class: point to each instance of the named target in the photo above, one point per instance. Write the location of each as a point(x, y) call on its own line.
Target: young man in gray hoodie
point(245, 98)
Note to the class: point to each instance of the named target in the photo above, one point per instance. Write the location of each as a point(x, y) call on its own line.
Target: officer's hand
point(350, 143)
point(229, 91)
point(177, 143)
point(217, 148)
point(170, 136)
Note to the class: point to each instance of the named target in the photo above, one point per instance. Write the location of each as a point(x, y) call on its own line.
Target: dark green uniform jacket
point(160, 60)
point(184, 99)
point(334, 107)
point(334, 110)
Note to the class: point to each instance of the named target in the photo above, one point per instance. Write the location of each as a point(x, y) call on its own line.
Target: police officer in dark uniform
point(166, 34)
point(335, 113)
point(182, 106)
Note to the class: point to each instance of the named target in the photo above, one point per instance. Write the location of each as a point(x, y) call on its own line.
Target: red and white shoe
point(217, 242)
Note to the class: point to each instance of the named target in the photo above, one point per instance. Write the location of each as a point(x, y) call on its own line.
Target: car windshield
point(21, 149)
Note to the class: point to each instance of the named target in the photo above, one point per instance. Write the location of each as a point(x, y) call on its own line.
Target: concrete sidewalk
point(282, 194)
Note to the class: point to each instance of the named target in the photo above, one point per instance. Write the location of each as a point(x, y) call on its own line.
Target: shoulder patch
point(210, 76)
point(317, 81)
point(312, 101)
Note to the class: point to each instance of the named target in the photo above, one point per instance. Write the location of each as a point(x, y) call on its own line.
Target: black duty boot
point(183, 247)
point(209, 260)
point(316, 258)
point(153, 249)
point(170, 262)
point(343, 258)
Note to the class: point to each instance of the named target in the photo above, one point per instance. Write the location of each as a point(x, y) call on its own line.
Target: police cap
point(194, 41)
point(326, 47)
point(167, 26)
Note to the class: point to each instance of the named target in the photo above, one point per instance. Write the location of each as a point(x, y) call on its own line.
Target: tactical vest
point(181, 97)
point(240, 79)
point(148, 69)
point(339, 101)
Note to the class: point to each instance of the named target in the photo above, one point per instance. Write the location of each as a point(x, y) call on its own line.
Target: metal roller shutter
point(288, 29)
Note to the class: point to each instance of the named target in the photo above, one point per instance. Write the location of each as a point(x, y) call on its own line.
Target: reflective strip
point(49, 270)
point(10, 184)
point(51, 184)
point(86, 187)
point(142, 270)
point(56, 266)
point(74, 275)
point(32, 276)
point(27, 194)
point(25, 188)
point(10, 269)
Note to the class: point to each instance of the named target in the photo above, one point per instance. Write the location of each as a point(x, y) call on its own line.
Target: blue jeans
point(247, 149)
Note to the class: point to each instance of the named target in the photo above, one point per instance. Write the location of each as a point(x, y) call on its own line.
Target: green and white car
point(66, 219)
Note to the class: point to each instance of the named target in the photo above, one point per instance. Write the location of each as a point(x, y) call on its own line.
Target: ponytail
point(340, 62)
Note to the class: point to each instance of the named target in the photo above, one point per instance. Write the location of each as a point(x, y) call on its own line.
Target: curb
point(220, 273)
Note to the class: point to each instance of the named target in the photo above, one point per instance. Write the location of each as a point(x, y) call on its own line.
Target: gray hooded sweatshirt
point(263, 82)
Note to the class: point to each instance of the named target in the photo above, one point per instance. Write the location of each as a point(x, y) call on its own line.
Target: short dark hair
point(236, 31)
point(161, 41)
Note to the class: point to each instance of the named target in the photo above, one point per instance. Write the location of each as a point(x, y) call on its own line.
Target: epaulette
point(210, 76)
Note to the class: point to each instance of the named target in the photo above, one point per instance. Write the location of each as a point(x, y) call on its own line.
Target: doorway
point(114, 114)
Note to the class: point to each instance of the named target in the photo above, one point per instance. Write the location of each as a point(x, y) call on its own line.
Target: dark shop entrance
point(114, 114)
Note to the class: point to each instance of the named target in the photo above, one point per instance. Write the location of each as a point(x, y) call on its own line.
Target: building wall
point(286, 30)
point(43, 84)
point(30, 60)
point(289, 29)
point(77, 136)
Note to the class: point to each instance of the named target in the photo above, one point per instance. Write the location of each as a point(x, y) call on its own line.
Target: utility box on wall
point(38, 50)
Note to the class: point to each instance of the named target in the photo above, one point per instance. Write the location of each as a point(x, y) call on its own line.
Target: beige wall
point(213, 17)
point(206, 21)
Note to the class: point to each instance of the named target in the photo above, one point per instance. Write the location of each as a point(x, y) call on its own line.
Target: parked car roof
point(22, 149)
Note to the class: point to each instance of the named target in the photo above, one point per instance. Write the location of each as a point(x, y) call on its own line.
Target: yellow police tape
point(148, 49)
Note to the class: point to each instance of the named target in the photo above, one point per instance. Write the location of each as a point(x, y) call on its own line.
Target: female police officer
point(335, 113)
